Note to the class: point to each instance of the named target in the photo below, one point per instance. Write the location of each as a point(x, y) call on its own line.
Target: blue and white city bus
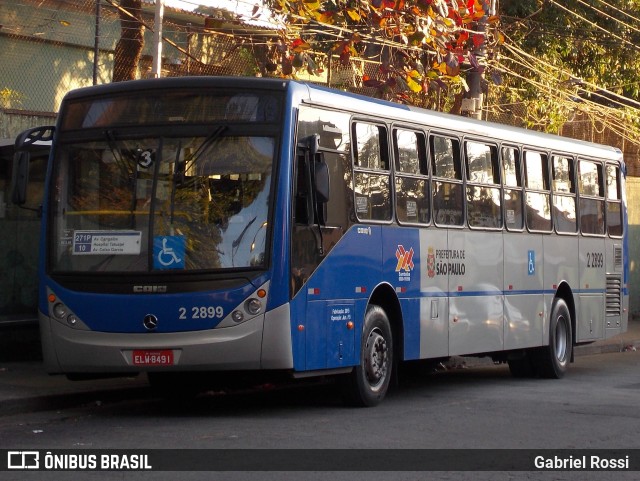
point(241, 224)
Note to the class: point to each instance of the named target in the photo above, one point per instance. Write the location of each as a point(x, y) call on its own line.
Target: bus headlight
point(253, 306)
point(60, 311)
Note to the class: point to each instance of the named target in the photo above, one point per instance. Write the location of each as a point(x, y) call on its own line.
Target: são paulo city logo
point(431, 263)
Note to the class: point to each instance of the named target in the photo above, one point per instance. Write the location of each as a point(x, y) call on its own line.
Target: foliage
point(10, 98)
point(421, 47)
point(580, 48)
point(599, 48)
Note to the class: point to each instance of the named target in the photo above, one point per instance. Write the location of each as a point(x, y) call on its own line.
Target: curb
point(606, 347)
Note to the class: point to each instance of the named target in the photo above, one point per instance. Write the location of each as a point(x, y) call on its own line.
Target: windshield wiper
point(236, 243)
point(117, 155)
point(238, 239)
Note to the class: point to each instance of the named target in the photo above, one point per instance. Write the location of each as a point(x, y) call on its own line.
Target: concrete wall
point(14, 122)
point(633, 204)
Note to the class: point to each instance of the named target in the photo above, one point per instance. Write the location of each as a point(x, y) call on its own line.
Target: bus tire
point(553, 360)
point(369, 381)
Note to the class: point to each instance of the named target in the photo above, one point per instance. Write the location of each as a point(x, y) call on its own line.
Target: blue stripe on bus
point(498, 293)
point(506, 293)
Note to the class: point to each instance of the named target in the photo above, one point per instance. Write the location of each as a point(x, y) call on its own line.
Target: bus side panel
point(277, 349)
point(475, 267)
point(403, 269)
point(590, 311)
point(561, 266)
point(298, 311)
point(348, 275)
point(434, 301)
point(523, 288)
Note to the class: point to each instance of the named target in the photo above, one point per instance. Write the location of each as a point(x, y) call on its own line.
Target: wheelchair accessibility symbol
point(168, 252)
point(531, 267)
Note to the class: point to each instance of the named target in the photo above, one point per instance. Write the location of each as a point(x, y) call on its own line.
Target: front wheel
point(554, 359)
point(368, 383)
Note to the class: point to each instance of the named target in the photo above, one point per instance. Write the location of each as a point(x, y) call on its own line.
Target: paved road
point(594, 407)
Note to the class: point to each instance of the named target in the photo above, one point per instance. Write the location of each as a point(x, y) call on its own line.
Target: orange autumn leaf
point(299, 45)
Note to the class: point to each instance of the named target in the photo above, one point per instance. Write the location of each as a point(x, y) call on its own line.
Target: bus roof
point(448, 122)
point(321, 95)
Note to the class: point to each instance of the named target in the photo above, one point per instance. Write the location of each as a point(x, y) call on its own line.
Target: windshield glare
point(155, 204)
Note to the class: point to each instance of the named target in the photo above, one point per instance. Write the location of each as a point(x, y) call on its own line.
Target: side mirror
point(32, 137)
point(319, 168)
point(30, 140)
point(20, 177)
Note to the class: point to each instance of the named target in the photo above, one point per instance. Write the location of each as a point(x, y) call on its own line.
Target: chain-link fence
point(49, 47)
point(54, 46)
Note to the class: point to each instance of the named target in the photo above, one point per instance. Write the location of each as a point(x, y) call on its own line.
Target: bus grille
point(614, 296)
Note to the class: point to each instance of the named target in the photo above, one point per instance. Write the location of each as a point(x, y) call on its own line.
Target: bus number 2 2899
point(201, 312)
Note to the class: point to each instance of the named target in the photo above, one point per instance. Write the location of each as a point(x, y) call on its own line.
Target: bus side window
point(411, 180)
point(591, 198)
point(538, 195)
point(564, 194)
point(371, 174)
point(333, 131)
point(512, 194)
point(614, 201)
point(448, 207)
point(483, 186)
point(332, 127)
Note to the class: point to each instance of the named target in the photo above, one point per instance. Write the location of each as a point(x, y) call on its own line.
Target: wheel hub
point(561, 340)
point(376, 358)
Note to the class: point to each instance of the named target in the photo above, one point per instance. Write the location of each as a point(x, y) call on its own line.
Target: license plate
point(162, 357)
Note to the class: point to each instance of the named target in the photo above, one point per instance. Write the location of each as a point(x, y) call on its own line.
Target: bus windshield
point(149, 203)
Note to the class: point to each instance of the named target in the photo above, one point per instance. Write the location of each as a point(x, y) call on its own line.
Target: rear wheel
point(368, 383)
point(553, 360)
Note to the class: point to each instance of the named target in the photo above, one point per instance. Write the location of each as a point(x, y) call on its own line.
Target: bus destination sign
point(106, 242)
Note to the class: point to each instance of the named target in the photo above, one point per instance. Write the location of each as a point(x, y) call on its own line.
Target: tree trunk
point(129, 48)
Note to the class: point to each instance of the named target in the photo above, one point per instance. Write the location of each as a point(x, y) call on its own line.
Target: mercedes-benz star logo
point(150, 322)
